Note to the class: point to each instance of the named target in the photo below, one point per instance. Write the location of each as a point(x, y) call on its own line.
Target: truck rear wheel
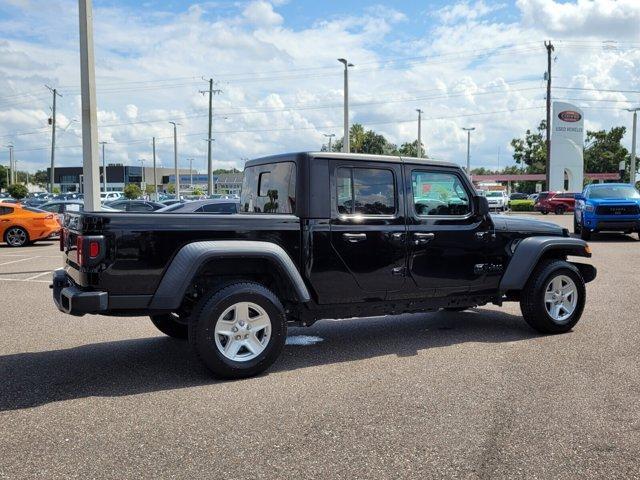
point(170, 324)
point(553, 298)
point(238, 331)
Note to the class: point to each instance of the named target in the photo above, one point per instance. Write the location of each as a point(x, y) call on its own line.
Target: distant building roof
point(537, 177)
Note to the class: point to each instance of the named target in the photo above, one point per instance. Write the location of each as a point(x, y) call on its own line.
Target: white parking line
point(16, 261)
point(39, 275)
point(23, 280)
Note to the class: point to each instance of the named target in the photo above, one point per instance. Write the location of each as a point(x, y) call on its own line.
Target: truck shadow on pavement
point(129, 367)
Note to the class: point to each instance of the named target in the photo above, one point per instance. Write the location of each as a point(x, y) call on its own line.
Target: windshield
point(618, 191)
point(494, 194)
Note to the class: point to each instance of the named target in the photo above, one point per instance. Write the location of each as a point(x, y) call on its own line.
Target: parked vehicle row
point(21, 225)
point(607, 207)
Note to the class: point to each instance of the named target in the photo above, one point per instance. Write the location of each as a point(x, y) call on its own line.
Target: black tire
point(206, 315)
point(576, 226)
point(560, 209)
point(532, 298)
point(22, 232)
point(170, 324)
point(544, 212)
point(585, 234)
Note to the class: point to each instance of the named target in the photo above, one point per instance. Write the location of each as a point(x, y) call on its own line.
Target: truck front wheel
point(238, 331)
point(553, 298)
point(170, 324)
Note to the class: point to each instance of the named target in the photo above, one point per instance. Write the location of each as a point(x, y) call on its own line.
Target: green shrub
point(18, 191)
point(132, 191)
point(521, 205)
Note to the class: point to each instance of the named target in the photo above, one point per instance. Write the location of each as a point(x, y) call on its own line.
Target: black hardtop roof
point(365, 157)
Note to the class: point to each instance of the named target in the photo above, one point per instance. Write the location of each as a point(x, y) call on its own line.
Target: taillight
point(48, 217)
point(94, 249)
point(89, 250)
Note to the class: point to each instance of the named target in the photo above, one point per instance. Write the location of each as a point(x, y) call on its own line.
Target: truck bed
point(139, 246)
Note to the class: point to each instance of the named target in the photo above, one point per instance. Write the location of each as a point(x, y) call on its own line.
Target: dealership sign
point(569, 116)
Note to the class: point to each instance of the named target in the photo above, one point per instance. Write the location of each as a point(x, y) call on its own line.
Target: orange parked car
point(20, 225)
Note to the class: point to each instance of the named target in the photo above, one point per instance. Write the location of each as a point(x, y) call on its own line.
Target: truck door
point(368, 231)
point(447, 241)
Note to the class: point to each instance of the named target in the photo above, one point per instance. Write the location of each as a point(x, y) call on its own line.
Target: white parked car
point(498, 199)
point(110, 196)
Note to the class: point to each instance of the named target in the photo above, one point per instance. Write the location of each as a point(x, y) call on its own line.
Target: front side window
point(365, 191)
point(269, 188)
point(439, 194)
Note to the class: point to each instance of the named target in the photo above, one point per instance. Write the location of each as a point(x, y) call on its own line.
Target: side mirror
point(481, 205)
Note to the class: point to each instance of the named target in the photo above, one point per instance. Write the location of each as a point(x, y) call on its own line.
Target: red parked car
point(556, 202)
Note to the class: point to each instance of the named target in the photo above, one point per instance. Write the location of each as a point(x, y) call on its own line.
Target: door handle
point(354, 237)
point(421, 238)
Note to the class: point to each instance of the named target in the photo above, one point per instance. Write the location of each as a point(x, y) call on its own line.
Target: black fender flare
point(189, 259)
point(530, 250)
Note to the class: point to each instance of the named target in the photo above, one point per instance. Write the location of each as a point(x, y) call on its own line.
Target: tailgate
point(82, 245)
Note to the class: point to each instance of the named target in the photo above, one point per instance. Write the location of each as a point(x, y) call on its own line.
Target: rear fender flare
point(191, 257)
point(529, 252)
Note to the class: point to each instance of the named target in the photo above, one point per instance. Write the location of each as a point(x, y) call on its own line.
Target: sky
point(476, 63)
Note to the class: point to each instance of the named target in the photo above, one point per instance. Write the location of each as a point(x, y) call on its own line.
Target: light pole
point(11, 168)
point(419, 132)
point(141, 160)
point(632, 164)
point(155, 178)
point(345, 142)
point(104, 169)
point(468, 130)
point(190, 172)
point(329, 136)
point(175, 157)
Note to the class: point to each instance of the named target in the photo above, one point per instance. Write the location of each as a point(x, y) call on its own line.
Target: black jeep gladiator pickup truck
point(320, 235)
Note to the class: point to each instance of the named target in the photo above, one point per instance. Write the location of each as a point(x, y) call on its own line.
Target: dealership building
point(69, 179)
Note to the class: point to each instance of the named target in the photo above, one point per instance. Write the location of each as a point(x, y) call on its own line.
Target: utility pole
point(53, 135)
point(91, 187)
point(345, 141)
point(155, 178)
point(211, 93)
point(141, 160)
point(104, 169)
point(468, 130)
point(190, 172)
point(11, 169)
point(549, 47)
point(329, 136)
point(419, 132)
point(632, 163)
point(175, 157)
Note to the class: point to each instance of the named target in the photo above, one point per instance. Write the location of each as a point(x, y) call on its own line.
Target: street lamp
point(175, 157)
point(632, 165)
point(329, 136)
point(104, 168)
point(468, 130)
point(345, 142)
point(419, 132)
point(141, 160)
point(190, 172)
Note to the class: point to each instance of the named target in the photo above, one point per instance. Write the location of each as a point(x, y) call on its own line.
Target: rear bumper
point(74, 301)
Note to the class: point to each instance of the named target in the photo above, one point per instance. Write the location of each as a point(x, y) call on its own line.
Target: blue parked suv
point(610, 207)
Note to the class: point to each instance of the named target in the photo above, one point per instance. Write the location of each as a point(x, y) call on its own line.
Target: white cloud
point(584, 18)
point(261, 14)
point(465, 11)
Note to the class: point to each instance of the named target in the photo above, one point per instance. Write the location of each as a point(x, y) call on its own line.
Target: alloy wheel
point(561, 298)
point(243, 331)
point(16, 237)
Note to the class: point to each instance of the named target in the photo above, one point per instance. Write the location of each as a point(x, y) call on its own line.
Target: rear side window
point(365, 191)
point(439, 194)
point(269, 188)
point(6, 210)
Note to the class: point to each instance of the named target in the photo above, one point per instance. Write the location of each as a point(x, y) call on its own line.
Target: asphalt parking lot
point(441, 395)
